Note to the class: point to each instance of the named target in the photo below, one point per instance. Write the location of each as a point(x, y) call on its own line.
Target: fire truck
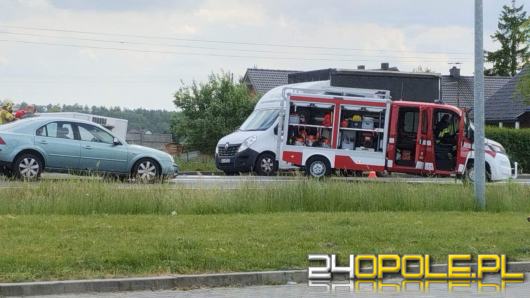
point(320, 129)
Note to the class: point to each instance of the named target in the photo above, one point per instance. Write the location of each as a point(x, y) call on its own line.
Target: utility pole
point(479, 163)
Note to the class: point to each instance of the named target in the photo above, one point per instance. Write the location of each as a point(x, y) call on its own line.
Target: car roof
point(63, 119)
point(37, 121)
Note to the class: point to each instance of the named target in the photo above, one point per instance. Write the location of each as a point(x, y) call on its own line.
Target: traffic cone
point(372, 175)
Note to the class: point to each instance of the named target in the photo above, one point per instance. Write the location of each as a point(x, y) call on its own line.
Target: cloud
point(45, 74)
point(233, 12)
point(3, 59)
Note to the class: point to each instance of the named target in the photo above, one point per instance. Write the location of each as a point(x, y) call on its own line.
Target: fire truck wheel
point(318, 166)
point(265, 165)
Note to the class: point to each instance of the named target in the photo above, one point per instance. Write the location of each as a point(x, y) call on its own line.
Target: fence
point(155, 141)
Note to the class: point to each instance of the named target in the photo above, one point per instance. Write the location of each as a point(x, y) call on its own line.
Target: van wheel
point(318, 167)
point(470, 173)
point(27, 166)
point(265, 165)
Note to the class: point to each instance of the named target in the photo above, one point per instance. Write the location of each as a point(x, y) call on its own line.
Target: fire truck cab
point(321, 128)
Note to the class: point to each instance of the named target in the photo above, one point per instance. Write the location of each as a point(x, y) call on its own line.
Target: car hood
point(492, 142)
point(238, 137)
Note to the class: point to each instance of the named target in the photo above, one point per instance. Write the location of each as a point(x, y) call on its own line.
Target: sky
point(138, 53)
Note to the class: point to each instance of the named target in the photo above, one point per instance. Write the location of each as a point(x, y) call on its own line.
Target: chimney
point(454, 72)
point(385, 66)
point(361, 67)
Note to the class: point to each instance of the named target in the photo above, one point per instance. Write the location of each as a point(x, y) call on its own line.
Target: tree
point(513, 34)
point(211, 110)
point(523, 86)
point(422, 69)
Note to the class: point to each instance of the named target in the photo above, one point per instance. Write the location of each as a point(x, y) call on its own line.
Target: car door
point(58, 141)
point(98, 151)
point(424, 152)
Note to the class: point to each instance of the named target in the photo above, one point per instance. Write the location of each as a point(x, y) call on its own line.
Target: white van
point(254, 146)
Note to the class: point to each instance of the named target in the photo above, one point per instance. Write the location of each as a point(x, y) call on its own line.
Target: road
point(434, 290)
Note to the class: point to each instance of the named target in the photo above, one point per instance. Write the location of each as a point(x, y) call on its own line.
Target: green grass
point(40, 247)
point(91, 229)
point(203, 163)
point(82, 197)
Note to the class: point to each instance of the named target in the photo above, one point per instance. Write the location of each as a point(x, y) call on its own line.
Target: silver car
point(30, 146)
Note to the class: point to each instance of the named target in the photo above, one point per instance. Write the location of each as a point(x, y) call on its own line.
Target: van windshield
point(260, 120)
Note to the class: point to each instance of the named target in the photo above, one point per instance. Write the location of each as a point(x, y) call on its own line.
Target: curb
point(201, 173)
point(181, 282)
point(152, 283)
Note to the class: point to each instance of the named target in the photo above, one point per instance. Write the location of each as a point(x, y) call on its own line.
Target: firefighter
point(444, 131)
point(6, 112)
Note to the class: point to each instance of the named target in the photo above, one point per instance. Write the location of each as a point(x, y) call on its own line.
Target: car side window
point(90, 133)
point(62, 130)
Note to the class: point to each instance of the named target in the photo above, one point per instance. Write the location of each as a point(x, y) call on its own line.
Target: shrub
point(516, 142)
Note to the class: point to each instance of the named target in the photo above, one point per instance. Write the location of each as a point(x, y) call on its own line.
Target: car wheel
point(27, 166)
point(146, 171)
point(318, 167)
point(265, 165)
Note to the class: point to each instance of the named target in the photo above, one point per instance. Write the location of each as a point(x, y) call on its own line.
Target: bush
point(516, 142)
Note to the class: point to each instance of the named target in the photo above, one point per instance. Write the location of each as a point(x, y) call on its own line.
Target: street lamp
point(479, 162)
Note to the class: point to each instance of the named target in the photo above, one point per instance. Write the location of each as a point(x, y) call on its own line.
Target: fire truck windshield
point(260, 120)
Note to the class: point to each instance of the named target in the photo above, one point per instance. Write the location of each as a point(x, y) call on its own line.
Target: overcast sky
point(135, 53)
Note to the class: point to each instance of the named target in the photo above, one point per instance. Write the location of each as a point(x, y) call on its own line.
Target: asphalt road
point(434, 290)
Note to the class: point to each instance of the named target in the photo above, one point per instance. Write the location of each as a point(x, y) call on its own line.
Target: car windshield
point(260, 120)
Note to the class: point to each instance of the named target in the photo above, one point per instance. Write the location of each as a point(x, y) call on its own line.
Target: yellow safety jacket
point(6, 116)
point(446, 132)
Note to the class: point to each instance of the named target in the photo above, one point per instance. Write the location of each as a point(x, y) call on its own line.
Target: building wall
point(524, 122)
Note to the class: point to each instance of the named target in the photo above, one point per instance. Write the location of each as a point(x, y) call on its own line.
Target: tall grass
point(82, 197)
point(201, 163)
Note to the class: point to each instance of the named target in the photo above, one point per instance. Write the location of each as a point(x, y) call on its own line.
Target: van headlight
point(217, 149)
point(247, 143)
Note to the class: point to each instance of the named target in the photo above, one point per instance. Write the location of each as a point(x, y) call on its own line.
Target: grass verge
point(92, 229)
point(204, 163)
point(84, 197)
point(42, 247)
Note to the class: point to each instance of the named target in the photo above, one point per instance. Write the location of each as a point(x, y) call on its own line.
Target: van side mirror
point(276, 129)
point(116, 141)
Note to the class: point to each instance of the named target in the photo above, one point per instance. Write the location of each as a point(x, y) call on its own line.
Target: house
point(507, 107)
point(453, 89)
point(458, 90)
point(260, 81)
point(411, 86)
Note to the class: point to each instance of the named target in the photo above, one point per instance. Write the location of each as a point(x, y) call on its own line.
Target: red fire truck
point(321, 128)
